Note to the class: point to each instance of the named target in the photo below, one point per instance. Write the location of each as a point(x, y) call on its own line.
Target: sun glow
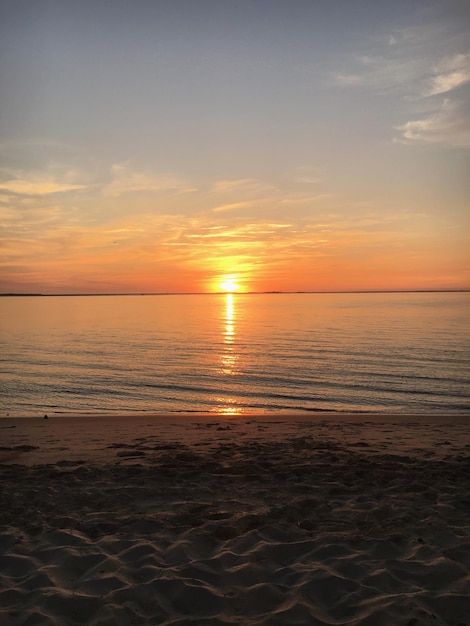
point(229, 285)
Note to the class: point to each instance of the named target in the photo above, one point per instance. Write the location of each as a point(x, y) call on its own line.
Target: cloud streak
point(447, 125)
point(126, 181)
point(449, 74)
point(37, 187)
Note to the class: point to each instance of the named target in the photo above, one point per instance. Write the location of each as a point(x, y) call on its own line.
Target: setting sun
point(229, 285)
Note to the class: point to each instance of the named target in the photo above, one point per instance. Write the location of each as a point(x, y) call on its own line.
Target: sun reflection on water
point(228, 357)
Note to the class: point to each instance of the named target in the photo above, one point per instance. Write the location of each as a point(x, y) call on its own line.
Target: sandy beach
point(220, 519)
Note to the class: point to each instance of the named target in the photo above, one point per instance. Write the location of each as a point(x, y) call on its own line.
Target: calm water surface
point(406, 353)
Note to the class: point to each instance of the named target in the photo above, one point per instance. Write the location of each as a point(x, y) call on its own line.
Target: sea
point(406, 353)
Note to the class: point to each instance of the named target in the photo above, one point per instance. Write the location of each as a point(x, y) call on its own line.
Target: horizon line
point(241, 293)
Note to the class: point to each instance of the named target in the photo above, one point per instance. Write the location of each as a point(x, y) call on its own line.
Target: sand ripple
point(254, 533)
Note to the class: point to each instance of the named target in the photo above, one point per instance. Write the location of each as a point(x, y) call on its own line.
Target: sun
point(229, 285)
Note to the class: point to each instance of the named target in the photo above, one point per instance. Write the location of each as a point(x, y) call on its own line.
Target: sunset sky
point(175, 145)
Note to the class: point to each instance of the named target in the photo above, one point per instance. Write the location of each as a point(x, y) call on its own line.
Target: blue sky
point(164, 145)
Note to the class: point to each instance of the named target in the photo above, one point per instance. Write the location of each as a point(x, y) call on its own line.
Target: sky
point(262, 145)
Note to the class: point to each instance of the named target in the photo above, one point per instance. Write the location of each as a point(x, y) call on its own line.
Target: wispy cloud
point(447, 125)
point(306, 175)
point(416, 65)
point(35, 184)
point(232, 206)
point(126, 180)
point(382, 73)
point(296, 191)
point(449, 73)
point(243, 186)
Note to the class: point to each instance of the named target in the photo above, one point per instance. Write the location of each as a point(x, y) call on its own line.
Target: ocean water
point(240, 353)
